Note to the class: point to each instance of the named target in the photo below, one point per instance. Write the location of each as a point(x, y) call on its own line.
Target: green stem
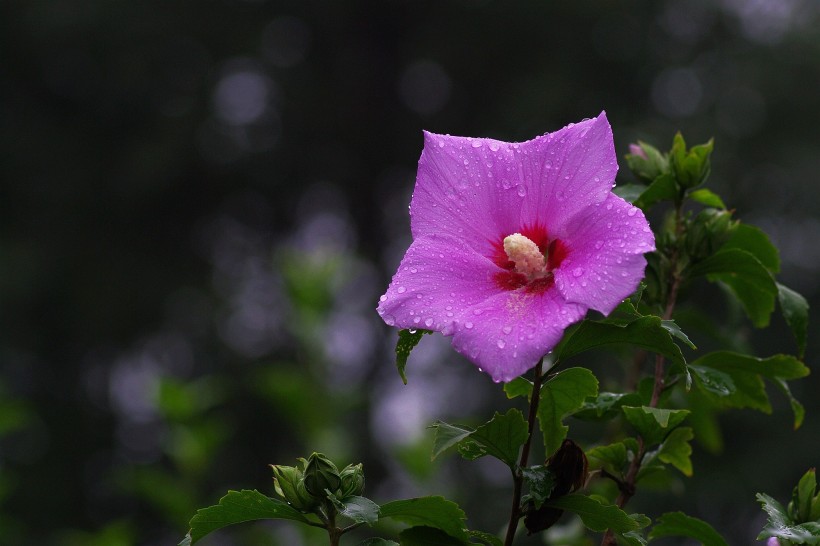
point(518, 480)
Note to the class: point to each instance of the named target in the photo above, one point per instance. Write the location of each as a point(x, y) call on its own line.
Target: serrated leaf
point(560, 396)
point(654, 424)
point(675, 450)
point(708, 198)
point(663, 188)
point(378, 542)
point(487, 538)
point(428, 511)
point(632, 538)
point(781, 526)
point(595, 515)
point(797, 408)
point(540, 482)
point(428, 536)
point(672, 327)
point(646, 332)
point(359, 509)
point(447, 436)
point(755, 241)
point(606, 405)
point(238, 507)
point(613, 457)
point(713, 381)
point(503, 436)
point(804, 495)
point(678, 524)
point(795, 311)
point(746, 277)
point(629, 192)
point(519, 386)
point(408, 339)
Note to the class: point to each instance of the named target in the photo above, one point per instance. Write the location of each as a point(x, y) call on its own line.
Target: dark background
point(200, 203)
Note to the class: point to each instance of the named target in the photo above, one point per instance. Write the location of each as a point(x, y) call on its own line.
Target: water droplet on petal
point(507, 329)
point(468, 325)
point(401, 290)
point(428, 322)
point(632, 211)
point(383, 298)
point(522, 191)
point(476, 144)
point(416, 319)
point(577, 272)
point(501, 343)
point(390, 320)
point(598, 245)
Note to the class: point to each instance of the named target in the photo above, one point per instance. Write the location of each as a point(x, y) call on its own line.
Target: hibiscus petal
point(438, 279)
point(567, 171)
point(508, 333)
point(605, 260)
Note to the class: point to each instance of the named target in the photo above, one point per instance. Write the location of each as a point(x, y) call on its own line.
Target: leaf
point(238, 507)
point(606, 405)
point(708, 198)
point(359, 509)
point(613, 457)
point(646, 332)
point(408, 339)
point(654, 424)
point(428, 511)
point(503, 436)
point(428, 536)
point(676, 450)
point(755, 241)
point(629, 192)
point(378, 542)
point(560, 396)
point(520, 386)
point(781, 526)
point(447, 436)
point(487, 538)
point(797, 408)
point(540, 482)
point(747, 278)
point(595, 515)
point(678, 524)
point(672, 327)
point(713, 381)
point(795, 311)
point(803, 496)
point(663, 188)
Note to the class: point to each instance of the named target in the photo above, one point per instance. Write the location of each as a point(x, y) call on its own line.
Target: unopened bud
point(646, 162)
point(690, 167)
point(288, 483)
point(352, 480)
point(321, 474)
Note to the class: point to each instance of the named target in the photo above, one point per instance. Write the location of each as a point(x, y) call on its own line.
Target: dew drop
point(609, 206)
point(577, 272)
point(477, 311)
point(428, 322)
point(468, 325)
point(401, 290)
point(501, 343)
point(522, 191)
point(441, 144)
point(598, 245)
point(476, 144)
point(632, 211)
point(390, 320)
point(507, 329)
point(494, 146)
point(416, 319)
point(383, 298)
point(466, 161)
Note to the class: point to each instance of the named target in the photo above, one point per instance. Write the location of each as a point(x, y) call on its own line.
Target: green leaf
point(713, 381)
point(359, 509)
point(795, 310)
point(678, 524)
point(654, 424)
point(447, 436)
point(562, 395)
point(747, 278)
point(607, 405)
point(663, 188)
point(646, 332)
point(408, 339)
point(708, 198)
point(612, 457)
point(595, 515)
point(676, 450)
point(672, 327)
point(780, 524)
point(378, 542)
point(755, 241)
point(747, 372)
point(519, 386)
point(540, 482)
point(487, 538)
point(428, 536)
point(503, 436)
point(797, 408)
point(629, 192)
point(803, 496)
point(238, 507)
point(428, 511)
point(632, 538)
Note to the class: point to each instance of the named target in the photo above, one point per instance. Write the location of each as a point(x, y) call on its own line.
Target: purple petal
point(605, 262)
point(508, 333)
point(438, 279)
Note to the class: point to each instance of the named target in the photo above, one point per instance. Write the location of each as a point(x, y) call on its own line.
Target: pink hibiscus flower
point(513, 242)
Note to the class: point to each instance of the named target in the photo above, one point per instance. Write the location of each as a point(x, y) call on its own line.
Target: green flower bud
point(289, 484)
point(352, 480)
point(691, 168)
point(321, 474)
point(646, 162)
point(709, 231)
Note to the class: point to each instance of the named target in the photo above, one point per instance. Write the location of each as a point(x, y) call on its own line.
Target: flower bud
point(321, 474)
point(692, 167)
point(288, 483)
point(646, 162)
point(352, 480)
point(709, 231)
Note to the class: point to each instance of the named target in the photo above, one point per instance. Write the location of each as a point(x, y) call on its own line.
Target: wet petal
point(605, 260)
point(508, 333)
point(438, 279)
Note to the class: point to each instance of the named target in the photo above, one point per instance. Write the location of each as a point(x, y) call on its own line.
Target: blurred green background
point(201, 201)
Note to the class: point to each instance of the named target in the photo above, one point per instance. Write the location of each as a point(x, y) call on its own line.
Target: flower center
point(527, 257)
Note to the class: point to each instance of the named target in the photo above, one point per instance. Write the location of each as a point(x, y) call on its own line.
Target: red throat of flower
point(528, 259)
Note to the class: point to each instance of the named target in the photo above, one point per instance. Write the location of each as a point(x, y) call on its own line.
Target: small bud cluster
point(309, 484)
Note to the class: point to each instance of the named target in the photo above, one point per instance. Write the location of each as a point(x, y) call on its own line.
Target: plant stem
point(518, 480)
